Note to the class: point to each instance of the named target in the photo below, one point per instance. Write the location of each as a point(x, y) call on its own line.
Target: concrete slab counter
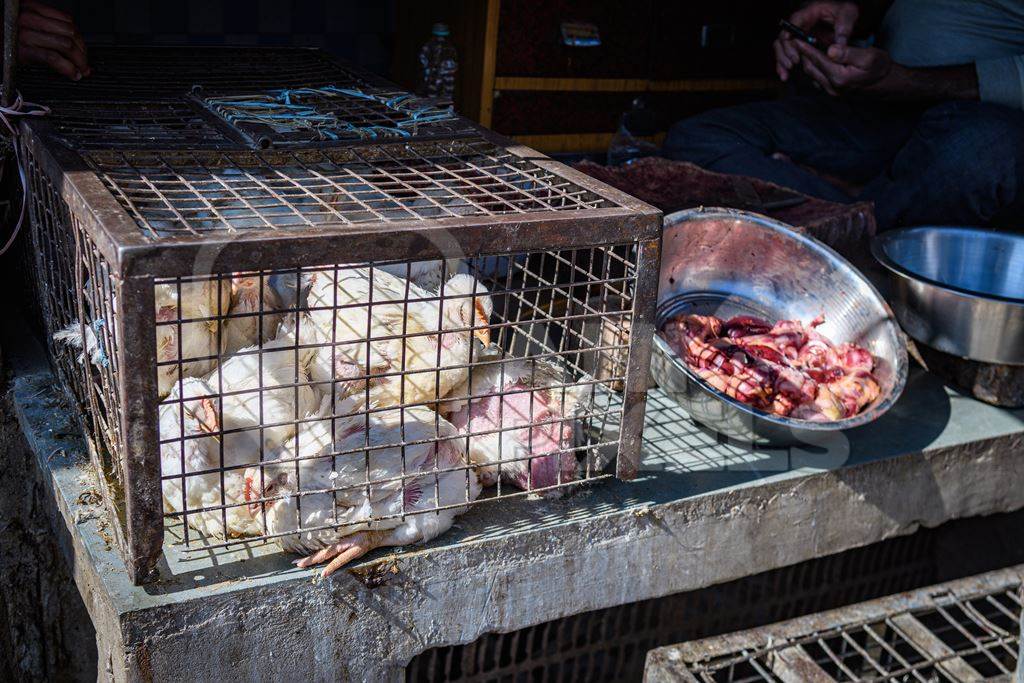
point(701, 513)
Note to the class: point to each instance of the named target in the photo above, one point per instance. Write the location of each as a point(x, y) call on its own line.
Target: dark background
point(363, 32)
point(641, 39)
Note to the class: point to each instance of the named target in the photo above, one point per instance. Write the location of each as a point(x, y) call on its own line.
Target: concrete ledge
point(701, 513)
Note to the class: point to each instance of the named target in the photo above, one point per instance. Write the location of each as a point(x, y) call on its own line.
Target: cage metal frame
point(137, 261)
point(902, 638)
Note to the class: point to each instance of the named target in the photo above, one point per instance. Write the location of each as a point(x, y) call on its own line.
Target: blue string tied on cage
point(278, 113)
point(415, 109)
point(284, 111)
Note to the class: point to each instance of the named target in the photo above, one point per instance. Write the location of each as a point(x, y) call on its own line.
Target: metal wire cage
point(326, 341)
point(964, 630)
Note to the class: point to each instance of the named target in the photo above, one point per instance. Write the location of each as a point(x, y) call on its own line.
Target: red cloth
point(675, 185)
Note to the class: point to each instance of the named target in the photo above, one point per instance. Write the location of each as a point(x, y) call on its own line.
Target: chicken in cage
point(330, 345)
point(373, 403)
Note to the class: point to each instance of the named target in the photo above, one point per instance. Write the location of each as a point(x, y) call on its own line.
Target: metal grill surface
point(293, 116)
point(94, 124)
point(197, 191)
point(178, 244)
point(965, 630)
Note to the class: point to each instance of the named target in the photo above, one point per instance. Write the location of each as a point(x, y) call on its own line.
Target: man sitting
point(928, 123)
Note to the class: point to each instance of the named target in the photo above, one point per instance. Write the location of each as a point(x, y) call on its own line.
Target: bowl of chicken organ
point(332, 435)
point(767, 336)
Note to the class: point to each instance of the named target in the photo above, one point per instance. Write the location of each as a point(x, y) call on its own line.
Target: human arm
point(49, 37)
point(871, 70)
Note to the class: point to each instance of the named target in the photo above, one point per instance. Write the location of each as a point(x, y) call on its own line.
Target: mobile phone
point(797, 32)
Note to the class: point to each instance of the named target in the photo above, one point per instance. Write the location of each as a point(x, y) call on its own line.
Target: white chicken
point(241, 421)
point(253, 301)
point(519, 422)
point(329, 499)
point(193, 463)
point(198, 301)
point(204, 301)
point(412, 348)
point(428, 275)
point(269, 406)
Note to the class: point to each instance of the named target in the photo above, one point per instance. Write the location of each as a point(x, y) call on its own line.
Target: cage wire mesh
point(94, 124)
point(299, 115)
point(423, 415)
point(193, 192)
point(965, 630)
point(134, 74)
point(458, 315)
point(76, 294)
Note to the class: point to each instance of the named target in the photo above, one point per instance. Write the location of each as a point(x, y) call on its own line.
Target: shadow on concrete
point(681, 460)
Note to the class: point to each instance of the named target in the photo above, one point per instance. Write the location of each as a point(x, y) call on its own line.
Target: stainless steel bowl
point(726, 262)
point(959, 290)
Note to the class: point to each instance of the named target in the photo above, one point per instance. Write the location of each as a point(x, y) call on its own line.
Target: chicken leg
point(344, 551)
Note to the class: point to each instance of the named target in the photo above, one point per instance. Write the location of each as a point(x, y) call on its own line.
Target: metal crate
point(964, 630)
point(164, 198)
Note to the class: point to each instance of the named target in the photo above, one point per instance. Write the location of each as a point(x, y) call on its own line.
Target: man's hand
point(870, 70)
point(48, 36)
point(845, 68)
point(830, 20)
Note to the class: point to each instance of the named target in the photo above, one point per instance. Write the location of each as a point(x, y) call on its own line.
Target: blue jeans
point(950, 163)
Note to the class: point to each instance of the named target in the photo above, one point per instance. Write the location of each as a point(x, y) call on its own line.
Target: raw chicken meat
point(788, 368)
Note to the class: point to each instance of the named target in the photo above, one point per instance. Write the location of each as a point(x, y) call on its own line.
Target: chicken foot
point(344, 551)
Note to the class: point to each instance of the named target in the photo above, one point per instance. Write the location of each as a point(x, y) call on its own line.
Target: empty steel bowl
point(959, 290)
point(725, 262)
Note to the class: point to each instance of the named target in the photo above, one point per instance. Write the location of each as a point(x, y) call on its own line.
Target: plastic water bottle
point(438, 64)
point(626, 144)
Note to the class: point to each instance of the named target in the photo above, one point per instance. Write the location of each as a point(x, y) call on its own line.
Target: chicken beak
point(483, 334)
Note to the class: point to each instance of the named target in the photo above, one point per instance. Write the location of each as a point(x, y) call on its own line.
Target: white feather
point(337, 496)
point(407, 331)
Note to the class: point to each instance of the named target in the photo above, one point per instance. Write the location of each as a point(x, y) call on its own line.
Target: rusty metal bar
point(363, 243)
point(792, 665)
point(948, 662)
point(140, 436)
point(639, 359)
